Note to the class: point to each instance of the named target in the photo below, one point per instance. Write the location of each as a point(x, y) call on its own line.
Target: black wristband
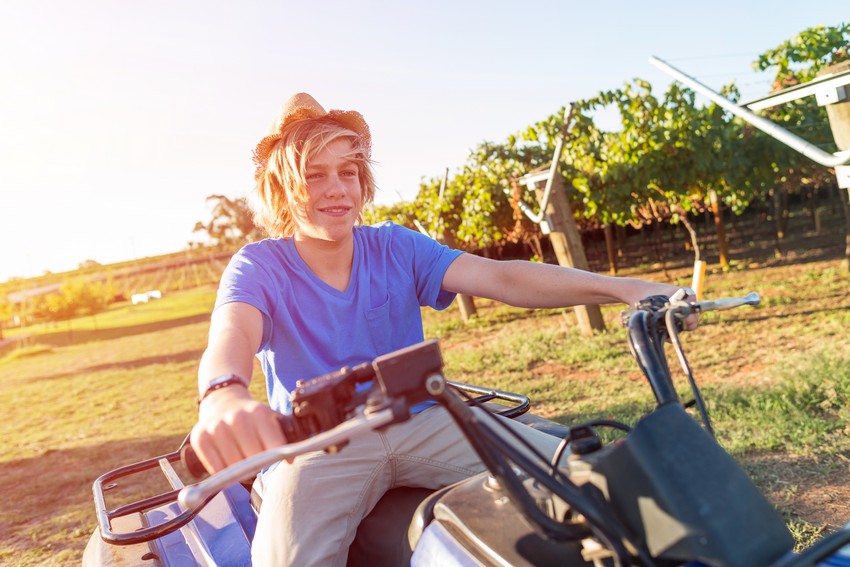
point(219, 383)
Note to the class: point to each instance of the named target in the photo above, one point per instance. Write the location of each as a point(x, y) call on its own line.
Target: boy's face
point(334, 194)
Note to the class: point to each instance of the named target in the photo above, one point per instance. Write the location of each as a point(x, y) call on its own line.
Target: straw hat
point(302, 106)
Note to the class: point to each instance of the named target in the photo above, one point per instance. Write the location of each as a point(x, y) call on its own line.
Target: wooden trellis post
point(560, 224)
point(557, 220)
point(838, 113)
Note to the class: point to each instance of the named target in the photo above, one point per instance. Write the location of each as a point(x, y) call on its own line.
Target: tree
point(93, 298)
point(232, 222)
point(61, 306)
point(477, 205)
point(75, 297)
point(642, 173)
point(799, 60)
point(86, 264)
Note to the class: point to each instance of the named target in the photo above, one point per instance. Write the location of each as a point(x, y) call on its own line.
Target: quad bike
point(664, 494)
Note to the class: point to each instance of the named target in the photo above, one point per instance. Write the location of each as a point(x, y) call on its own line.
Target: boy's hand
point(232, 426)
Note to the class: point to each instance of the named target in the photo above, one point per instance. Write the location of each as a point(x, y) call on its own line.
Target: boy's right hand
point(232, 426)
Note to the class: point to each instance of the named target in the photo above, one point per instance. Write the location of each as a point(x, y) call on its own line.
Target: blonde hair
point(282, 183)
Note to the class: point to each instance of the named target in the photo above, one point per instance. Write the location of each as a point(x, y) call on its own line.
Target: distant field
point(170, 272)
point(82, 398)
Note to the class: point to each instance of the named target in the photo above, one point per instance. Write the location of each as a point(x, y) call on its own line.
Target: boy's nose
point(336, 186)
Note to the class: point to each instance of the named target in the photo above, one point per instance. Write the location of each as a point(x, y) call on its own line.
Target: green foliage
point(399, 213)
point(799, 59)
point(75, 297)
point(475, 207)
point(812, 394)
point(661, 164)
point(232, 222)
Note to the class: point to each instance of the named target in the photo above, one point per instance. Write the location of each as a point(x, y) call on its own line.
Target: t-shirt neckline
point(355, 267)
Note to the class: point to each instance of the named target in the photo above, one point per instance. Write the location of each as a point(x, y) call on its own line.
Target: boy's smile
point(335, 194)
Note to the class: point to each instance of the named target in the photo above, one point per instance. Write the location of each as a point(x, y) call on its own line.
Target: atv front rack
point(105, 516)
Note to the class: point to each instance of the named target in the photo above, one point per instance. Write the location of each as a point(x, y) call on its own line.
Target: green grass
point(776, 378)
point(77, 403)
point(80, 399)
point(175, 307)
point(810, 392)
point(805, 534)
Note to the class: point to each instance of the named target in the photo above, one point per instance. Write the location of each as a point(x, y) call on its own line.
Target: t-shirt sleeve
point(245, 280)
point(430, 260)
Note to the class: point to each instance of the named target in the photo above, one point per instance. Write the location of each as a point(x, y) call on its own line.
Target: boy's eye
point(312, 176)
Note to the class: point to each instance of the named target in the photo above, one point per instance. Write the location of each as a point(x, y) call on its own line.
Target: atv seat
point(381, 538)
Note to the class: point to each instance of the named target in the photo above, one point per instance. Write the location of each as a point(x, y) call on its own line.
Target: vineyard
point(812, 233)
point(174, 275)
point(27, 304)
point(669, 160)
point(171, 272)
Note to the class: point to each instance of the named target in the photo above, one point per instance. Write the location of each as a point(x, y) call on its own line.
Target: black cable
point(609, 423)
point(562, 446)
point(491, 448)
point(673, 331)
point(524, 442)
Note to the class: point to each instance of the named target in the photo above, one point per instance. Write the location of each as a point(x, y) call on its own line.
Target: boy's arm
point(232, 425)
point(535, 285)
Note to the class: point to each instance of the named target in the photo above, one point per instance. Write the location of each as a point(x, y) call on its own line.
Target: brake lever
point(681, 308)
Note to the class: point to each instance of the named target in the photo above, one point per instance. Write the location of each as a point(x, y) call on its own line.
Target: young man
point(325, 292)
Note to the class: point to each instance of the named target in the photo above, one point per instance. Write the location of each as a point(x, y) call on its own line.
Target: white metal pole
point(772, 129)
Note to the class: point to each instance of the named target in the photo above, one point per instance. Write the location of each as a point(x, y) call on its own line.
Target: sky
point(119, 118)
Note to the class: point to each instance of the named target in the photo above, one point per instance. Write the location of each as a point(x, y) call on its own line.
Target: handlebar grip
point(191, 461)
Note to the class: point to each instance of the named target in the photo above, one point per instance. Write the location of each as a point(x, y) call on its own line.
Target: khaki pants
point(312, 507)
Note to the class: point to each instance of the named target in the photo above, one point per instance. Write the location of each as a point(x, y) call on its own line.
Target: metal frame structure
point(830, 89)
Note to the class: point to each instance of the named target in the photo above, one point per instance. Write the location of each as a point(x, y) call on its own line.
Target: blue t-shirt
point(311, 328)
